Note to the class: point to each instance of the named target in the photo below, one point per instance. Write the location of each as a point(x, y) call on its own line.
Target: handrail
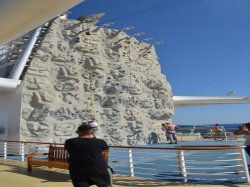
point(205, 147)
point(15, 141)
point(181, 101)
point(189, 147)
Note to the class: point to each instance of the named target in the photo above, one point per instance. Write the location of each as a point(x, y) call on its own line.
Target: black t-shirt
point(86, 155)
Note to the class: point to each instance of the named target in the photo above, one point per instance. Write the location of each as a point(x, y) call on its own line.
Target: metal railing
point(184, 163)
point(222, 136)
point(195, 164)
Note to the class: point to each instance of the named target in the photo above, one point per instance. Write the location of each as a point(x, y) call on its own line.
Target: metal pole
point(199, 136)
point(5, 150)
point(180, 134)
point(226, 136)
point(131, 164)
point(182, 165)
point(22, 151)
point(24, 56)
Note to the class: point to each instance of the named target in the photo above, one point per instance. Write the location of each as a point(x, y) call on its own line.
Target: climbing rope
point(91, 86)
point(91, 94)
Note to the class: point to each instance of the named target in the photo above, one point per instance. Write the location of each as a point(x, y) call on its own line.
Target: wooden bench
point(57, 158)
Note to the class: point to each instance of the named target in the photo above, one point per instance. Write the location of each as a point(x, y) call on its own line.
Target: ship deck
point(14, 173)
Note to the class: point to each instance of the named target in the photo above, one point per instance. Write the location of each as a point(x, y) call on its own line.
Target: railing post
point(182, 165)
point(226, 136)
point(131, 164)
point(244, 163)
point(199, 135)
point(5, 150)
point(180, 134)
point(21, 150)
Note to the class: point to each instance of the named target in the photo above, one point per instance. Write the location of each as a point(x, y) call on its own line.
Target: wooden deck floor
point(14, 173)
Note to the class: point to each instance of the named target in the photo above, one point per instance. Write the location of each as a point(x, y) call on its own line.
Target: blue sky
point(206, 50)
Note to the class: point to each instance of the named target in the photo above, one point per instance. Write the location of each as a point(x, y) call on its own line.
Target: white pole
point(199, 136)
point(182, 165)
point(22, 151)
point(5, 150)
point(226, 136)
point(131, 164)
point(245, 166)
point(180, 134)
point(24, 56)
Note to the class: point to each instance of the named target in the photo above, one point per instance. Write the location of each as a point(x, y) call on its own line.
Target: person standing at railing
point(166, 134)
point(171, 131)
point(87, 165)
point(244, 129)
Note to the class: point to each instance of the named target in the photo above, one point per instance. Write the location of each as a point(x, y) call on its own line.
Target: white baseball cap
point(93, 125)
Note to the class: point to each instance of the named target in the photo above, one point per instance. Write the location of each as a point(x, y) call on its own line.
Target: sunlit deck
point(14, 173)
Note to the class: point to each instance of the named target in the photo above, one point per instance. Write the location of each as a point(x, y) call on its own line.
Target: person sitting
point(244, 129)
point(216, 130)
point(86, 161)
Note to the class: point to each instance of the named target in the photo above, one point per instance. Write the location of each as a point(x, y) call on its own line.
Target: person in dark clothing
point(244, 129)
point(86, 161)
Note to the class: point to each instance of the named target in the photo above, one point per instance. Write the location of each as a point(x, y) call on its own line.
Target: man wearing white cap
point(87, 165)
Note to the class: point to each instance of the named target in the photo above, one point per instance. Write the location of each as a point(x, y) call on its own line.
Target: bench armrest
point(31, 155)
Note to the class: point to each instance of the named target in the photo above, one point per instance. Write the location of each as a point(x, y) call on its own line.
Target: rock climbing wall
point(81, 71)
